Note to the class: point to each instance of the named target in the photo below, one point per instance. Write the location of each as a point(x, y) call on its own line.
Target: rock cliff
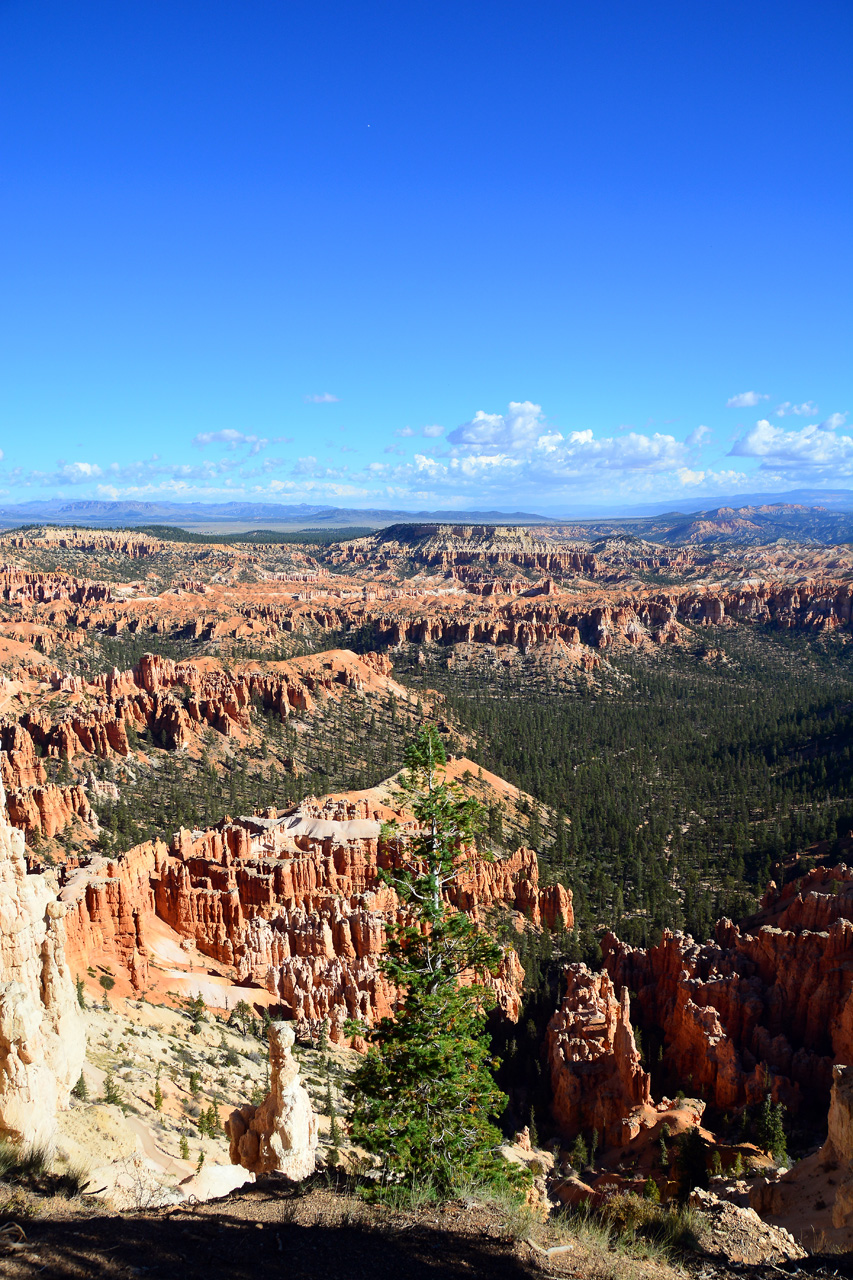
point(175, 701)
point(596, 1076)
point(42, 1042)
point(765, 1001)
point(293, 902)
point(767, 1005)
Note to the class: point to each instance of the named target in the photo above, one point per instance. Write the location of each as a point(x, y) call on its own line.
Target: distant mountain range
point(86, 511)
point(832, 499)
point(824, 516)
point(755, 524)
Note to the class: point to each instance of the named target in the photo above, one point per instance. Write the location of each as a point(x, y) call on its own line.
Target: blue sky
point(424, 254)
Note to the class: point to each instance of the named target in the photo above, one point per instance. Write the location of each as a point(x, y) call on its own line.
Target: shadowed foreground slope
point(315, 1233)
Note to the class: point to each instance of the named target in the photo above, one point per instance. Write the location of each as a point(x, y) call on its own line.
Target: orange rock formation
point(293, 903)
point(596, 1076)
point(770, 1001)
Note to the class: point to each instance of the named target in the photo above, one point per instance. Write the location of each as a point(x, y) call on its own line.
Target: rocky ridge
point(765, 1001)
point(293, 903)
point(175, 703)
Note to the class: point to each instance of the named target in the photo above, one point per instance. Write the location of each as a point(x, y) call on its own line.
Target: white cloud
point(808, 453)
point(521, 442)
point(698, 436)
point(231, 439)
point(323, 398)
point(745, 400)
point(521, 426)
point(78, 472)
point(496, 457)
point(310, 466)
point(491, 459)
point(805, 410)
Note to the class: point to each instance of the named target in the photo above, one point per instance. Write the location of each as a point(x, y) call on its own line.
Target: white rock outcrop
point(281, 1134)
point(42, 1036)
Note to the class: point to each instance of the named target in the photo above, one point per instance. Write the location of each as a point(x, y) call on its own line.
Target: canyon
point(230, 686)
point(571, 605)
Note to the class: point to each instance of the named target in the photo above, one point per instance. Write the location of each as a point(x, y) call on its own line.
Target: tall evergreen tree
point(424, 1099)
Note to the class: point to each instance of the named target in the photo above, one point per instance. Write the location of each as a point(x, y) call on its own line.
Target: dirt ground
point(316, 1232)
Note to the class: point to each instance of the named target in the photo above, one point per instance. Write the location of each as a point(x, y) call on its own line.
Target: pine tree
point(770, 1130)
point(579, 1156)
point(112, 1093)
point(692, 1163)
point(424, 1097)
point(651, 1190)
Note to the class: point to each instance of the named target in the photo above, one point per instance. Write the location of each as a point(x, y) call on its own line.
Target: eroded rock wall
point(42, 1040)
point(294, 903)
point(597, 1079)
point(763, 1002)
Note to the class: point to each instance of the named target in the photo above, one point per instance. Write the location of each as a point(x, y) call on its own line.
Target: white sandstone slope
point(42, 1036)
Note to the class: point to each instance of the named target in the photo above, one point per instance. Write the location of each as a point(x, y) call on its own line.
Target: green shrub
point(625, 1222)
point(651, 1190)
point(18, 1163)
point(579, 1156)
point(72, 1181)
point(112, 1093)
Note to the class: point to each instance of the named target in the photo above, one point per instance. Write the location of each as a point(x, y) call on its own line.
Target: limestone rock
point(281, 1134)
point(595, 1067)
point(758, 1001)
point(739, 1236)
point(42, 1039)
point(49, 810)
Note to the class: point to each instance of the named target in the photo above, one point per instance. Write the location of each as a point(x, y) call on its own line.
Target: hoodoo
point(281, 1134)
